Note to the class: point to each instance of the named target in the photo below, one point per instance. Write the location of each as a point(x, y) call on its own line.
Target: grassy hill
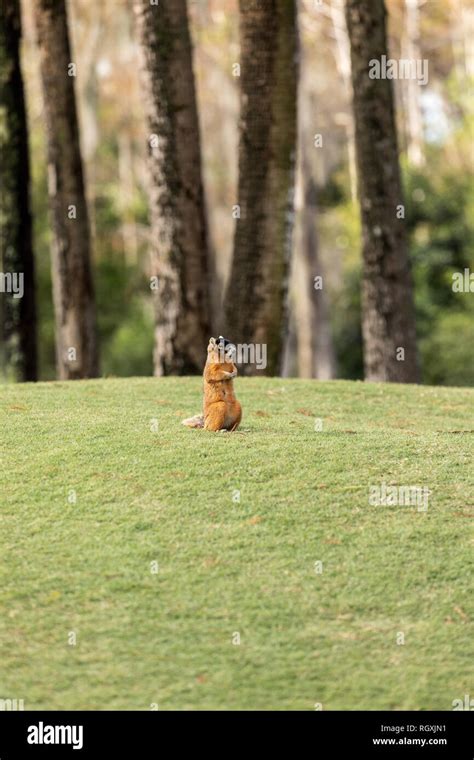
point(99, 481)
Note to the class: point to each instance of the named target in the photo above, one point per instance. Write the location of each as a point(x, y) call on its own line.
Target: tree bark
point(74, 301)
point(19, 333)
point(180, 254)
point(388, 321)
point(256, 299)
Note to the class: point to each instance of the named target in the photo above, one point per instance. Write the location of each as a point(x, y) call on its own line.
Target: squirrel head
point(220, 350)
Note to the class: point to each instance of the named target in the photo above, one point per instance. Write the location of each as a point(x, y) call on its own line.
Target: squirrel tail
point(194, 422)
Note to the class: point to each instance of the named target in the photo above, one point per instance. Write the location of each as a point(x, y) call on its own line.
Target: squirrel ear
point(212, 343)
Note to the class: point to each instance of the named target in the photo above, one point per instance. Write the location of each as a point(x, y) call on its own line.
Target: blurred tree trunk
point(90, 42)
point(74, 302)
point(128, 185)
point(289, 365)
point(19, 350)
point(257, 290)
point(388, 321)
point(461, 34)
point(180, 254)
point(411, 51)
point(315, 347)
point(343, 62)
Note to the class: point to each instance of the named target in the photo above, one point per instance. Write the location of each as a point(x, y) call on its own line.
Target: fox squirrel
point(221, 410)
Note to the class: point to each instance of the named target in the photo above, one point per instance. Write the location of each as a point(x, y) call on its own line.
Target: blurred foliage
point(440, 220)
point(125, 319)
point(124, 309)
point(340, 232)
point(439, 207)
point(439, 197)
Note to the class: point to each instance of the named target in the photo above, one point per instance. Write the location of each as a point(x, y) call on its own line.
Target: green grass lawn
point(99, 480)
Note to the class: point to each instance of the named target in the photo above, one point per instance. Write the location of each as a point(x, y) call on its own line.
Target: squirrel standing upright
point(221, 410)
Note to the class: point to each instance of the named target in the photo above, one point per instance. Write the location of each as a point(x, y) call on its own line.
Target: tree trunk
point(74, 302)
point(256, 299)
point(310, 306)
point(19, 351)
point(388, 322)
point(180, 256)
point(315, 346)
point(412, 90)
point(343, 63)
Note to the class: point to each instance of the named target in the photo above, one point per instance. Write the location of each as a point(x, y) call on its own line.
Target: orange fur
point(221, 410)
